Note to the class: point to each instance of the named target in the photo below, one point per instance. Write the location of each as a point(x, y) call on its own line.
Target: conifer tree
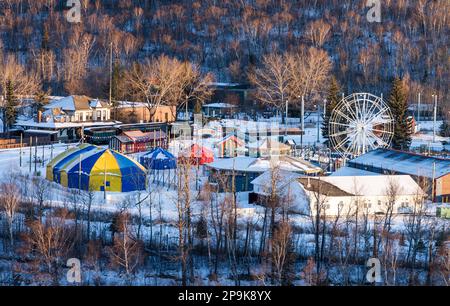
point(11, 103)
point(445, 129)
point(333, 99)
point(402, 124)
point(40, 100)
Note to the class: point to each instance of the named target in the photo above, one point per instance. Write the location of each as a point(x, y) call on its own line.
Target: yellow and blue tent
point(94, 168)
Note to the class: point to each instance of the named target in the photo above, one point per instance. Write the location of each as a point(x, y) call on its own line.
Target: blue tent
point(159, 159)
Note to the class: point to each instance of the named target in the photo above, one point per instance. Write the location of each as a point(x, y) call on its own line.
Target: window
point(166, 116)
point(379, 202)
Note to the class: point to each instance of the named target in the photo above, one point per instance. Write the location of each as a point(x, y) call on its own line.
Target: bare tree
point(310, 69)
point(414, 230)
point(88, 200)
point(184, 221)
point(273, 80)
point(9, 203)
point(51, 240)
point(193, 87)
point(280, 243)
point(41, 191)
point(155, 81)
point(23, 82)
point(127, 251)
point(318, 32)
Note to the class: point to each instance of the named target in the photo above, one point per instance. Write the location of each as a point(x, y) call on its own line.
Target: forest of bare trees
point(228, 39)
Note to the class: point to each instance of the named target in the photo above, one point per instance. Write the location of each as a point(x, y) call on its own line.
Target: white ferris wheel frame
point(359, 123)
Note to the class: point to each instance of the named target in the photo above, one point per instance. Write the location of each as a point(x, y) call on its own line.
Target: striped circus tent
point(89, 167)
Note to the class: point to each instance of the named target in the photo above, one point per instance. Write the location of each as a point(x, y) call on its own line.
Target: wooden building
point(137, 141)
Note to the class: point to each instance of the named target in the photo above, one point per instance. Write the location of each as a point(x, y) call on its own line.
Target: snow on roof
point(138, 135)
point(240, 163)
point(403, 163)
point(74, 102)
point(41, 131)
point(376, 185)
point(65, 103)
point(223, 84)
point(251, 164)
point(268, 143)
point(122, 104)
point(57, 125)
point(281, 177)
point(348, 171)
point(95, 103)
point(220, 105)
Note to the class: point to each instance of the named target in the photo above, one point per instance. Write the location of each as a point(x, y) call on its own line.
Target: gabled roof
point(137, 135)
point(325, 188)
point(233, 138)
point(74, 102)
point(281, 177)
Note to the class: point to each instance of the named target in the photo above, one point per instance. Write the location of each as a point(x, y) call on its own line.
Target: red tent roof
point(198, 154)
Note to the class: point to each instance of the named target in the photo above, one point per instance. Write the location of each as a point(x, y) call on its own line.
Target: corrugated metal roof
point(401, 162)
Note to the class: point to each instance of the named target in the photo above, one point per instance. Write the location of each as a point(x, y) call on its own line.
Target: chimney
point(39, 116)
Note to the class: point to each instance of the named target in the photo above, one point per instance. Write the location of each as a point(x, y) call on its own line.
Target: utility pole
point(286, 119)
point(418, 108)
point(433, 186)
point(35, 155)
point(302, 124)
point(20, 157)
point(30, 144)
point(110, 74)
point(104, 182)
point(79, 173)
point(318, 125)
point(434, 117)
point(186, 114)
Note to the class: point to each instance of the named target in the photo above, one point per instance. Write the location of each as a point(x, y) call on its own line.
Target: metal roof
point(401, 162)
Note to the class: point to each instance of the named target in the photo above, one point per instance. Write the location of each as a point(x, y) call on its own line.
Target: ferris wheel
point(359, 123)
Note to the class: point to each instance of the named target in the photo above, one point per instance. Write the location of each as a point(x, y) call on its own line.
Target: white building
point(69, 116)
point(286, 186)
point(343, 195)
point(76, 109)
